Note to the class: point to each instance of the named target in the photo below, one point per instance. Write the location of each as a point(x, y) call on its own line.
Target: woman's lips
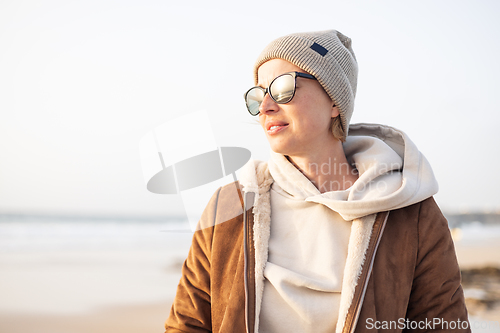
point(274, 129)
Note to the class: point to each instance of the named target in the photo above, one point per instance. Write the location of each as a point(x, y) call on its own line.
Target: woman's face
point(300, 127)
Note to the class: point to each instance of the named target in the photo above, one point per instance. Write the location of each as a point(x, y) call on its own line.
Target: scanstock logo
point(181, 157)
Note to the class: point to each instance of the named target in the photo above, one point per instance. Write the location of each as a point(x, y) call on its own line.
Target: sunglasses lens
point(253, 99)
point(283, 88)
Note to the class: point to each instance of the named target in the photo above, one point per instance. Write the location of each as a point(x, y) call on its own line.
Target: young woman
point(338, 232)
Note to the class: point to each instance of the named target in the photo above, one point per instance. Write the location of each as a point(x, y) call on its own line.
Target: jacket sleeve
point(191, 309)
point(436, 294)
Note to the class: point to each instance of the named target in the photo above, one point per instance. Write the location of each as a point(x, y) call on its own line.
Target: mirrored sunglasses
point(281, 90)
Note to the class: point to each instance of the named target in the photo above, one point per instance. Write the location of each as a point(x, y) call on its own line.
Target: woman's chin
point(280, 149)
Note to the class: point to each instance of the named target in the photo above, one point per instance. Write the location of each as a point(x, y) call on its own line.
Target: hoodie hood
point(392, 172)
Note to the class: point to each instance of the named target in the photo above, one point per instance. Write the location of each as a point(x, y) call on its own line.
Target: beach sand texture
point(125, 281)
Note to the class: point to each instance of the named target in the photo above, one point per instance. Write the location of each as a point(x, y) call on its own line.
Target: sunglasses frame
point(267, 90)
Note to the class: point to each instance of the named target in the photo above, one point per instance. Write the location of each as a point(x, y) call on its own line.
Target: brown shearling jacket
point(409, 275)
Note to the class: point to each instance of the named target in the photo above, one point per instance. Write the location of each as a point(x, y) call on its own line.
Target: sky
point(81, 82)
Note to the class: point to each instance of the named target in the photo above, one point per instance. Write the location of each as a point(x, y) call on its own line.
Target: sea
point(37, 233)
point(25, 233)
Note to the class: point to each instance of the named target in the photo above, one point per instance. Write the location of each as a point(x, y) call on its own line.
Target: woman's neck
point(328, 170)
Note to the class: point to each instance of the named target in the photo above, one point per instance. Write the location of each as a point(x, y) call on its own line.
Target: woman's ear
point(335, 111)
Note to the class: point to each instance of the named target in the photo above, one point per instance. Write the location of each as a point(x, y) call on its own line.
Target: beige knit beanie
point(328, 56)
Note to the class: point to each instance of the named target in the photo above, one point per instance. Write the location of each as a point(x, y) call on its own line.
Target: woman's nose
point(268, 104)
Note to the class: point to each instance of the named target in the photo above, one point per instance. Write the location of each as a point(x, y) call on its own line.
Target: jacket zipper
point(245, 267)
point(361, 298)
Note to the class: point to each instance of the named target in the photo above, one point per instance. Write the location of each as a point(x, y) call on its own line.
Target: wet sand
point(480, 265)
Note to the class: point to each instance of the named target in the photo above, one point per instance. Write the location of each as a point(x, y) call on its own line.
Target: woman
point(338, 231)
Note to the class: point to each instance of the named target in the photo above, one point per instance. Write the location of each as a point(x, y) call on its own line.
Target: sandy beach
point(480, 265)
point(90, 292)
point(147, 318)
point(125, 281)
point(88, 277)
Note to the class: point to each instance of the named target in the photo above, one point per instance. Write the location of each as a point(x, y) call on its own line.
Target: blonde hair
point(336, 128)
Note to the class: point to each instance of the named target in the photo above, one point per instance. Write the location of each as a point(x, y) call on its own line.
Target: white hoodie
point(393, 173)
point(310, 231)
